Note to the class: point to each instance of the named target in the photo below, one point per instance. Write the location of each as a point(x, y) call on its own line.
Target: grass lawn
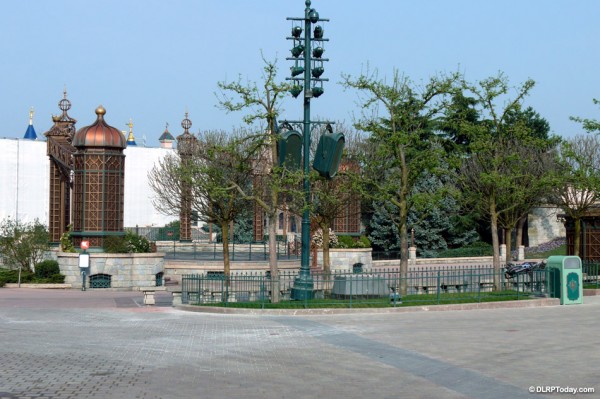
point(409, 300)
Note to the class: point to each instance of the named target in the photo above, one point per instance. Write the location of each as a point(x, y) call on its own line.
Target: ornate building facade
point(99, 177)
point(60, 151)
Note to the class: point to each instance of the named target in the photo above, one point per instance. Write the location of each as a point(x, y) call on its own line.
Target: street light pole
point(303, 284)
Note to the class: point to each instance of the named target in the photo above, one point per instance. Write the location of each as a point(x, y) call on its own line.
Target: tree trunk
point(403, 208)
point(577, 237)
point(508, 242)
point(273, 218)
point(272, 228)
point(326, 260)
point(495, 245)
point(520, 227)
point(226, 264)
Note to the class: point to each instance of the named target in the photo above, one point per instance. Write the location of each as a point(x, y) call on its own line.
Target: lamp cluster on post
point(306, 78)
point(308, 66)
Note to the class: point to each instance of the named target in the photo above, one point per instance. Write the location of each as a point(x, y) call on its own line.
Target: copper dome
point(99, 134)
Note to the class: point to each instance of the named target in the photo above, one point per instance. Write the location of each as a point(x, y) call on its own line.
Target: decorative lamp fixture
point(313, 15)
point(318, 52)
point(298, 50)
point(296, 70)
point(296, 90)
point(318, 32)
point(296, 31)
point(317, 91)
point(317, 72)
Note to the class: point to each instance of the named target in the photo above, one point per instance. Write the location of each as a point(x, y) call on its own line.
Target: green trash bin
point(565, 279)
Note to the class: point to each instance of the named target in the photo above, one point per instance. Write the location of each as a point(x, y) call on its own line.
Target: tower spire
point(30, 132)
point(130, 138)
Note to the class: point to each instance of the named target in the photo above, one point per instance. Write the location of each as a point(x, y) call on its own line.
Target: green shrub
point(364, 242)
point(115, 245)
point(8, 276)
point(129, 243)
point(66, 244)
point(26, 276)
point(345, 242)
point(352, 242)
point(47, 268)
point(137, 243)
point(56, 279)
point(12, 276)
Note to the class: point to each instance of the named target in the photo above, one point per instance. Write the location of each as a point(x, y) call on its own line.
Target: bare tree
point(533, 172)
point(218, 165)
point(262, 102)
point(579, 189)
point(332, 197)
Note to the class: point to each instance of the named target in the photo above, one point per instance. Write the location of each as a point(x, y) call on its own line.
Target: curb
point(61, 286)
point(530, 303)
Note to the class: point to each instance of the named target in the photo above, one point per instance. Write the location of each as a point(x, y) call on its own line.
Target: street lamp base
point(302, 290)
point(301, 294)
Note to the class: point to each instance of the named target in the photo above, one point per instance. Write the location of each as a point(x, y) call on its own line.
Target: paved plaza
point(106, 344)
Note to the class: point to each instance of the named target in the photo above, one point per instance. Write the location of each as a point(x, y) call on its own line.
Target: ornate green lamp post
point(306, 77)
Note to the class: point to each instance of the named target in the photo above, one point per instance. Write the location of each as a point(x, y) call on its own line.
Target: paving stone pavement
point(105, 344)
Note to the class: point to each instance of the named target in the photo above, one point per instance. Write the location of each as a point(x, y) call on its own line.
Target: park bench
point(149, 294)
point(486, 285)
point(454, 287)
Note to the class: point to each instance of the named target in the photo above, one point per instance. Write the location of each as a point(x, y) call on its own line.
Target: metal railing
point(591, 275)
point(254, 251)
point(375, 288)
point(166, 233)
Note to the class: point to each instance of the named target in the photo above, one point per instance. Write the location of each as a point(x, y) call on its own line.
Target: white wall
point(138, 194)
point(24, 169)
point(24, 185)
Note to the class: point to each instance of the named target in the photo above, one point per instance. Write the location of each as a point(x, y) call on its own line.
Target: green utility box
point(565, 279)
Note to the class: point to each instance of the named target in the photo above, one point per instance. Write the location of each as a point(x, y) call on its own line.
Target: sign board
point(84, 260)
point(85, 245)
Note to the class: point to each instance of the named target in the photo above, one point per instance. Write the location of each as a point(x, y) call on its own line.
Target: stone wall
point(342, 259)
point(126, 270)
point(543, 226)
point(175, 269)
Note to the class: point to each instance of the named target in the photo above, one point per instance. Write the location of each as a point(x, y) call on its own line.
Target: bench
point(426, 289)
point(486, 286)
point(176, 292)
point(459, 287)
point(149, 294)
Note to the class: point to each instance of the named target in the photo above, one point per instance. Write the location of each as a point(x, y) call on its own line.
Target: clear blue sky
point(150, 60)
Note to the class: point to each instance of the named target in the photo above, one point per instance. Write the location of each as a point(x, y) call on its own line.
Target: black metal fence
point(255, 251)
point(591, 275)
point(375, 288)
point(166, 233)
